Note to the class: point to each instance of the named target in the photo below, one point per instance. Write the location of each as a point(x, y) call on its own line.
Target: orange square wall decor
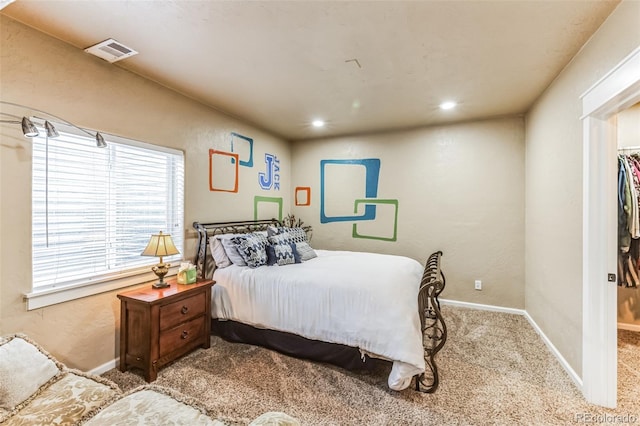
point(223, 171)
point(303, 196)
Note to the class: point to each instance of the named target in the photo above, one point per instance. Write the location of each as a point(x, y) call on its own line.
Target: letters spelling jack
point(270, 178)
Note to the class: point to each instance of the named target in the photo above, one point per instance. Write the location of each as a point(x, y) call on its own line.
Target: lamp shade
point(28, 128)
point(160, 245)
point(51, 131)
point(100, 143)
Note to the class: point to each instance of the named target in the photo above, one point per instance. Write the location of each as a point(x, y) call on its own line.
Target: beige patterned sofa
point(36, 389)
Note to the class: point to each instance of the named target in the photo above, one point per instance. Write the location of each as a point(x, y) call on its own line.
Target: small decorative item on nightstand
point(187, 273)
point(160, 245)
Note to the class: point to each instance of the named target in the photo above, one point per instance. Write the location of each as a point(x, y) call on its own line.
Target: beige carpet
point(494, 370)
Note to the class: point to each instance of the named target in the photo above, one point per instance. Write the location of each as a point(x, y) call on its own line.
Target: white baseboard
point(105, 367)
point(563, 362)
point(482, 307)
point(630, 327)
point(577, 380)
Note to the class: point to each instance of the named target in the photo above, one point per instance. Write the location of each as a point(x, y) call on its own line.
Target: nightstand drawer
point(183, 310)
point(182, 336)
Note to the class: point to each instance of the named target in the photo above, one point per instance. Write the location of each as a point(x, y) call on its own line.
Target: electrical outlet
point(478, 285)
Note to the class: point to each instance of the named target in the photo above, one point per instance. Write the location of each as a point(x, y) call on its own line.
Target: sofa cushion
point(66, 401)
point(24, 368)
point(152, 405)
point(38, 390)
point(274, 418)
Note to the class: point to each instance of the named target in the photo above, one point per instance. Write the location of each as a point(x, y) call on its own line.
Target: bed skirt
point(343, 356)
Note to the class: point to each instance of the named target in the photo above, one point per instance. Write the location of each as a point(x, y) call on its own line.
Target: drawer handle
point(184, 334)
point(184, 310)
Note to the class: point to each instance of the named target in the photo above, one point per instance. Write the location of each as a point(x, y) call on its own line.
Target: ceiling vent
point(111, 50)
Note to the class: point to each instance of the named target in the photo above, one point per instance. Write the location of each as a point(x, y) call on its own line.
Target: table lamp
point(160, 245)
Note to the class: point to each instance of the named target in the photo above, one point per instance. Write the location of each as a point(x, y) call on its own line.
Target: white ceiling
point(281, 64)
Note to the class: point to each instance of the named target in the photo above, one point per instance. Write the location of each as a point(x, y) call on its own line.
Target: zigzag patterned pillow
point(292, 235)
point(252, 248)
point(282, 254)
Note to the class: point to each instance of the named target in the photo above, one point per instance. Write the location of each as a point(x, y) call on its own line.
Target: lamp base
point(160, 284)
point(161, 270)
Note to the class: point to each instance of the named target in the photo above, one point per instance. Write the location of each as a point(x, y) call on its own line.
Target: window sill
point(51, 296)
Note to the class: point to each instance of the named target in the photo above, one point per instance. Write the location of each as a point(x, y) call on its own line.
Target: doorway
point(628, 306)
point(616, 91)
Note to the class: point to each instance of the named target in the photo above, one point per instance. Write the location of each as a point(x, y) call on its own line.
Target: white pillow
point(23, 370)
point(218, 253)
point(305, 251)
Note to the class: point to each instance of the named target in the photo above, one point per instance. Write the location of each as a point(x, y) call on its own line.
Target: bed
point(347, 308)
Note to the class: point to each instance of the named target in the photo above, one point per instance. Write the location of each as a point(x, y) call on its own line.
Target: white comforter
point(363, 300)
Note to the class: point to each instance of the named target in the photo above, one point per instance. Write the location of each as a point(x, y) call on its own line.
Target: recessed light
point(317, 123)
point(448, 105)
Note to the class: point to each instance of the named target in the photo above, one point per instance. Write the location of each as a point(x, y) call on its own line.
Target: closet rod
point(629, 148)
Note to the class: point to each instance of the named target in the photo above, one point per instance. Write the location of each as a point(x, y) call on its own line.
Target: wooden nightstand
point(157, 326)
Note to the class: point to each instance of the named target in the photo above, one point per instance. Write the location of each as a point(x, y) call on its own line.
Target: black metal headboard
point(206, 230)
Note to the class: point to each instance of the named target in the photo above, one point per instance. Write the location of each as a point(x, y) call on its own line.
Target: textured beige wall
point(44, 73)
point(554, 185)
point(629, 136)
point(460, 189)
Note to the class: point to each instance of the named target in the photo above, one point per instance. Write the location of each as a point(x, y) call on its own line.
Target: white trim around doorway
point(617, 90)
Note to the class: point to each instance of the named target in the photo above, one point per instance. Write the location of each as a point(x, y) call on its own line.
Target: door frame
point(617, 90)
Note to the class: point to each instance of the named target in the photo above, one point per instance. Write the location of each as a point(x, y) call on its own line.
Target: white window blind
point(94, 209)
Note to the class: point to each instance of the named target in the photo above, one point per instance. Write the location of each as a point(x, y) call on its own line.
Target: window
point(94, 209)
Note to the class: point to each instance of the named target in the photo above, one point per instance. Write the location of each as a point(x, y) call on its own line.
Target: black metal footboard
point(434, 329)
